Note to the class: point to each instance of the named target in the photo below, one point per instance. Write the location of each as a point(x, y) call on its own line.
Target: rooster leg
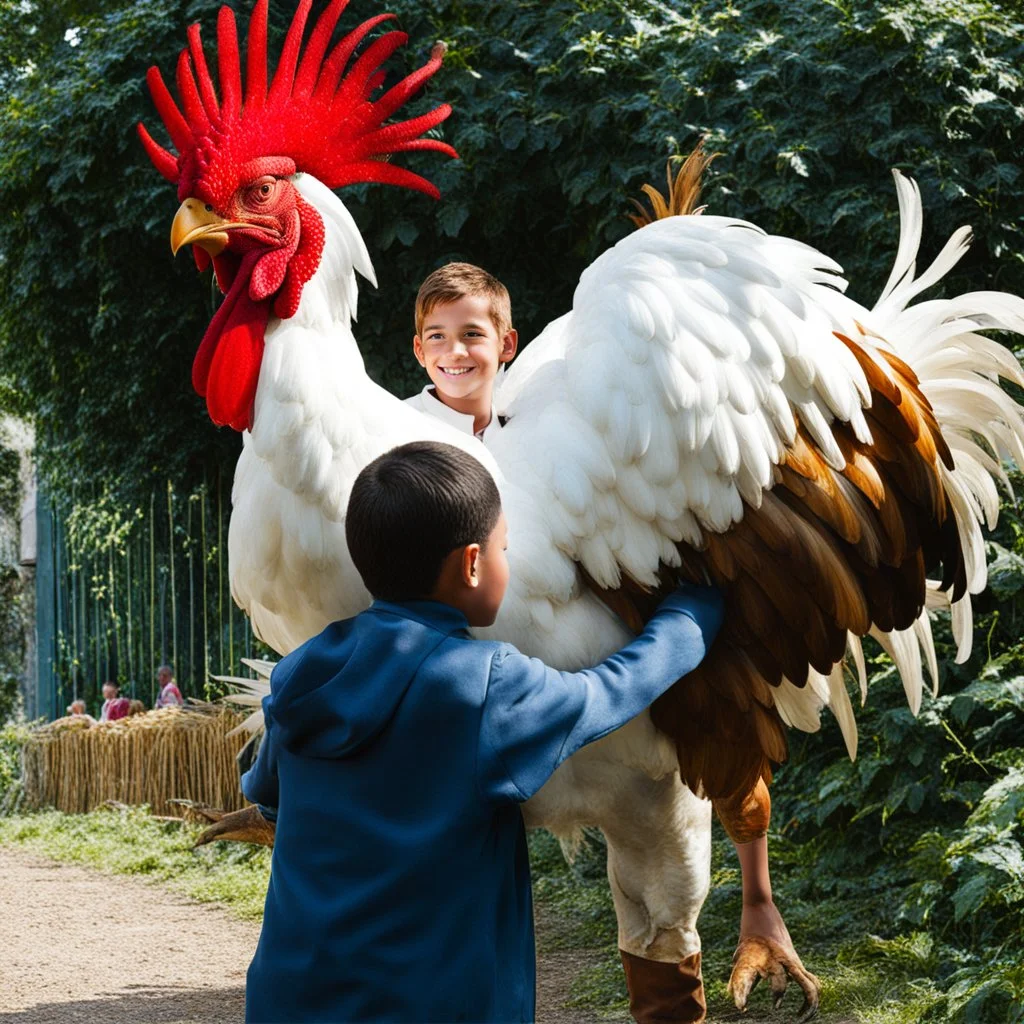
point(244, 826)
point(758, 957)
point(765, 949)
point(659, 854)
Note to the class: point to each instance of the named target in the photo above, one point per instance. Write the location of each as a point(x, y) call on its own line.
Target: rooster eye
point(264, 190)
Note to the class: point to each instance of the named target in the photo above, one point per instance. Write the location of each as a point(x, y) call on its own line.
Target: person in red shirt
point(114, 705)
point(170, 696)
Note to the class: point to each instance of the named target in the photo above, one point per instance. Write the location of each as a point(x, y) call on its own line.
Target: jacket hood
point(329, 698)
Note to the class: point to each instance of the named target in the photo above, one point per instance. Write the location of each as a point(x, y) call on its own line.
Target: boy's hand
point(705, 604)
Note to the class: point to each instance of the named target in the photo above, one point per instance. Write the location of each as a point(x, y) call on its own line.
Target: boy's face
point(460, 348)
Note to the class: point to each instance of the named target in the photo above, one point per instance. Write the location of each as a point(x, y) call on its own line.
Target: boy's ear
point(509, 344)
point(470, 558)
point(417, 351)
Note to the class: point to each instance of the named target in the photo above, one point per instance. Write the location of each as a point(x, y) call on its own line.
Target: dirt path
point(80, 946)
point(76, 945)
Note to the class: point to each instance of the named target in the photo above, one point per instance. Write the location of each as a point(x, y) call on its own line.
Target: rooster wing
point(715, 407)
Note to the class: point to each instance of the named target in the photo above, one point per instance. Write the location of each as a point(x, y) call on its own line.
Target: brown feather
point(683, 192)
point(825, 552)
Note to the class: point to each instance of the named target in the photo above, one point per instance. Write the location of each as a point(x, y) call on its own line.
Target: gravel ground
point(81, 946)
point(76, 945)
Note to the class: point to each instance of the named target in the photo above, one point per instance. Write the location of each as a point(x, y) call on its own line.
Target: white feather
point(654, 412)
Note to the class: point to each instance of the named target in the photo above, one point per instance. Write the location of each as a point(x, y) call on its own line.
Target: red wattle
point(235, 372)
point(303, 265)
point(226, 368)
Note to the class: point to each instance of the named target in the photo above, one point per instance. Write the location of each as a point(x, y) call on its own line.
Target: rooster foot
point(757, 957)
point(244, 826)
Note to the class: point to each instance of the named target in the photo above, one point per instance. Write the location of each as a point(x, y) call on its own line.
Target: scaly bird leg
point(244, 826)
point(756, 958)
point(765, 949)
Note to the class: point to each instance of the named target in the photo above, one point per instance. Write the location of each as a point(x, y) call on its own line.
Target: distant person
point(114, 705)
point(170, 696)
point(136, 707)
point(76, 709)
point(110, 694)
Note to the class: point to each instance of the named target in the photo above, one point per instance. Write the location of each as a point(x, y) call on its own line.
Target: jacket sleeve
point(534, 717)
point(259, 783)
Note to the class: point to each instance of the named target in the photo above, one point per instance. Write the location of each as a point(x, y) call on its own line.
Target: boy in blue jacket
point(396, 754)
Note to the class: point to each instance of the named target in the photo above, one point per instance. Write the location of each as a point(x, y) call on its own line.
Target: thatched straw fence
point(143, 759)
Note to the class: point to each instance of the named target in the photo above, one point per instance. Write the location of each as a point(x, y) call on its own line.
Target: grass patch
point(133, 842)
point(872, 972)
point(866, 979)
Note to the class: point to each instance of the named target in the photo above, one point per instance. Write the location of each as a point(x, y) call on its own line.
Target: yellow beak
point(196, 223)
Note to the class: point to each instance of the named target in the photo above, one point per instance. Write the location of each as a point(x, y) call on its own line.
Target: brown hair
point(455, 281)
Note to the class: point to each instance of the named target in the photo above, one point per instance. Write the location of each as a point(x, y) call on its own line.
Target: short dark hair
point(409, 509)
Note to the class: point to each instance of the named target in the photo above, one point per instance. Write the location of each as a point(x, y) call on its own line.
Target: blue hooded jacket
point(396, 753)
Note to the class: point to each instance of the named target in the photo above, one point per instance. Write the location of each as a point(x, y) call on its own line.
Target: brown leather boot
point(664, 993)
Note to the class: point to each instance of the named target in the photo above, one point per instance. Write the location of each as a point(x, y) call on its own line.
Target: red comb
point(316, 111)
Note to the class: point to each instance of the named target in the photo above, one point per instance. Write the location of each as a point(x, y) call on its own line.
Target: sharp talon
point(807, 1011)
point(246, 826)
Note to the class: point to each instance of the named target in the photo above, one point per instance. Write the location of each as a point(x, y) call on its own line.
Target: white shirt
point(428, 402)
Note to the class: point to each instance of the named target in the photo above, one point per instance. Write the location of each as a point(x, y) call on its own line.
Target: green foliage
point(562, 110)
point(926, 830)
point(97, 323)
point(14, 597)
point(13, 737)
point(132, 842)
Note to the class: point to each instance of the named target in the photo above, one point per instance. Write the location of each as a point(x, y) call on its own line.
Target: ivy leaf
point(451, 217)
point(1006, 572)
point(512, 132)
point(970, 896)
point(407, 232)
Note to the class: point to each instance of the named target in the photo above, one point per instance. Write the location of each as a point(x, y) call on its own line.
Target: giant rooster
point(713, 407)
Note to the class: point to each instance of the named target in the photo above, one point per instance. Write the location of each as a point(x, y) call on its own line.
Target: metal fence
point(121, 591)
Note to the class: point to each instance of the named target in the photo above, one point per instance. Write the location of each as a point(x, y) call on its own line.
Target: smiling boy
point(464, 334)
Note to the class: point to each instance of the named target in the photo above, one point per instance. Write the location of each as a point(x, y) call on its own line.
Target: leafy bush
point(562, 110)
point(12, 739)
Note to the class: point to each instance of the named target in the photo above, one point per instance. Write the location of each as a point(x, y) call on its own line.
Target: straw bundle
point(143, 759)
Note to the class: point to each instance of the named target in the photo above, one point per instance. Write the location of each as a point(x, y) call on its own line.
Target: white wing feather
point(645, 417)
point(663, 401)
